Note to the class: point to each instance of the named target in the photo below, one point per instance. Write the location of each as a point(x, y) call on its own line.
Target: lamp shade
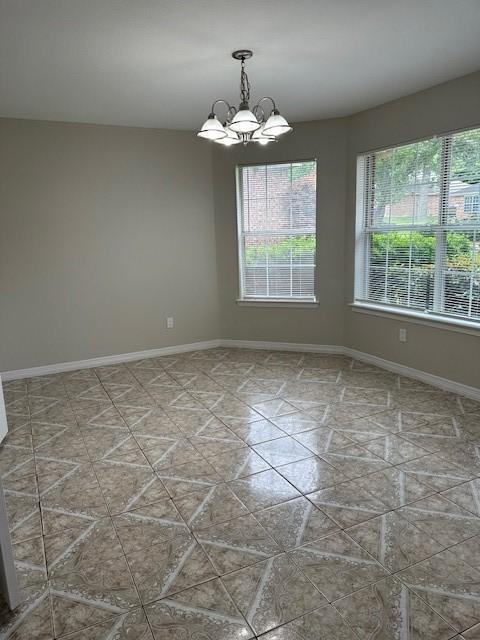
point(276, 125)
point(212, 129)
point(244, 121)
point(230, 138)
point(260, 137)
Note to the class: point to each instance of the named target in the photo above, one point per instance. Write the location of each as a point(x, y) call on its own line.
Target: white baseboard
point(106, 360)
point(282, 346)
point(428, 378)
point(417, 374)
point(400, 369)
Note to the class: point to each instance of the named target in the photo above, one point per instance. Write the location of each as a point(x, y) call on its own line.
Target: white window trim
point(417, 317)
point(244, 301)
point(430, 318)
point(299, 303)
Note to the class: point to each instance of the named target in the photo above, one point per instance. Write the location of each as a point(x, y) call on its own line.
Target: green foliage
point(459, 249)
point(397, 244)
point(278, 251)
point(301, 169)
point(459, 245)
point(466, 156)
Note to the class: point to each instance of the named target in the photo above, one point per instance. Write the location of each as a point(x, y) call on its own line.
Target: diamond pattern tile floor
point(232, 494)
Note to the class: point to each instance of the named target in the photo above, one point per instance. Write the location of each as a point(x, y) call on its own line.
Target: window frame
point(259, 301)
point(435, 317)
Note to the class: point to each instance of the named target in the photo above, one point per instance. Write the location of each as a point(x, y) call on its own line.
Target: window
point(276, 231)
point(472, 204)
point(418, 227)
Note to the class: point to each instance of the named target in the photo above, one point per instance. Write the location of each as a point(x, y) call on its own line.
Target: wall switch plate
point(170, 323)
point(402, 335)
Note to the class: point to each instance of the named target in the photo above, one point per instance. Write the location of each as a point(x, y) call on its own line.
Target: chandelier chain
point(244, 84)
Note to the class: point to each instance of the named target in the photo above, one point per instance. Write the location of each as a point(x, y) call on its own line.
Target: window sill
point(280, 302)
point(430, 319)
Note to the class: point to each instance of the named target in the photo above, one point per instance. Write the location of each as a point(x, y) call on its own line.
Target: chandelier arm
point(231, 113)
point(221, 101)
point(267, 98)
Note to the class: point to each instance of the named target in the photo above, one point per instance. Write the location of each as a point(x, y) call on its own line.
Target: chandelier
point(262, 124)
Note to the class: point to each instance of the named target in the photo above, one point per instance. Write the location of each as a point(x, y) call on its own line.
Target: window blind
point(277, 231)
point(418, 226)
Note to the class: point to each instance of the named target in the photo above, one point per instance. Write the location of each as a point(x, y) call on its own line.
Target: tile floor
point(236, 494)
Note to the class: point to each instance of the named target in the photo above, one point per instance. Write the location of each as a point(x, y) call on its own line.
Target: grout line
point(251, 448)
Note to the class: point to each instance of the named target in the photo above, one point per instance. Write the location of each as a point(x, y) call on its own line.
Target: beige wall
point(446, 107)
point(326, 142)
point(104, 231)
point(335, 144)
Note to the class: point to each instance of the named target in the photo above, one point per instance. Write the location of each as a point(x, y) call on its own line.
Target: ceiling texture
point(161, 63)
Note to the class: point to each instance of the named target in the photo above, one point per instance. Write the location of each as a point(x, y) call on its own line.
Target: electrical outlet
point(402, 335)
point(170, 323)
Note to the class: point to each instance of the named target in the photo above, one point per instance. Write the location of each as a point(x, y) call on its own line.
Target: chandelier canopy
point(262, 124)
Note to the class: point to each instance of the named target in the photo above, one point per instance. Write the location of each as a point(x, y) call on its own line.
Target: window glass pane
point(406, 184)
point(401, 268)
point(282, 259)
point(304, 178)
point(462, 274)
point(277, 221)
point(464, 192)
point(254, 198)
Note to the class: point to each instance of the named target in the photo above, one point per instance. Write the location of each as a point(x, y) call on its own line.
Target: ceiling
point(161, 63)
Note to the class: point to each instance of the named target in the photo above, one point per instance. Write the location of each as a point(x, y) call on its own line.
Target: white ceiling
point(160, 63)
